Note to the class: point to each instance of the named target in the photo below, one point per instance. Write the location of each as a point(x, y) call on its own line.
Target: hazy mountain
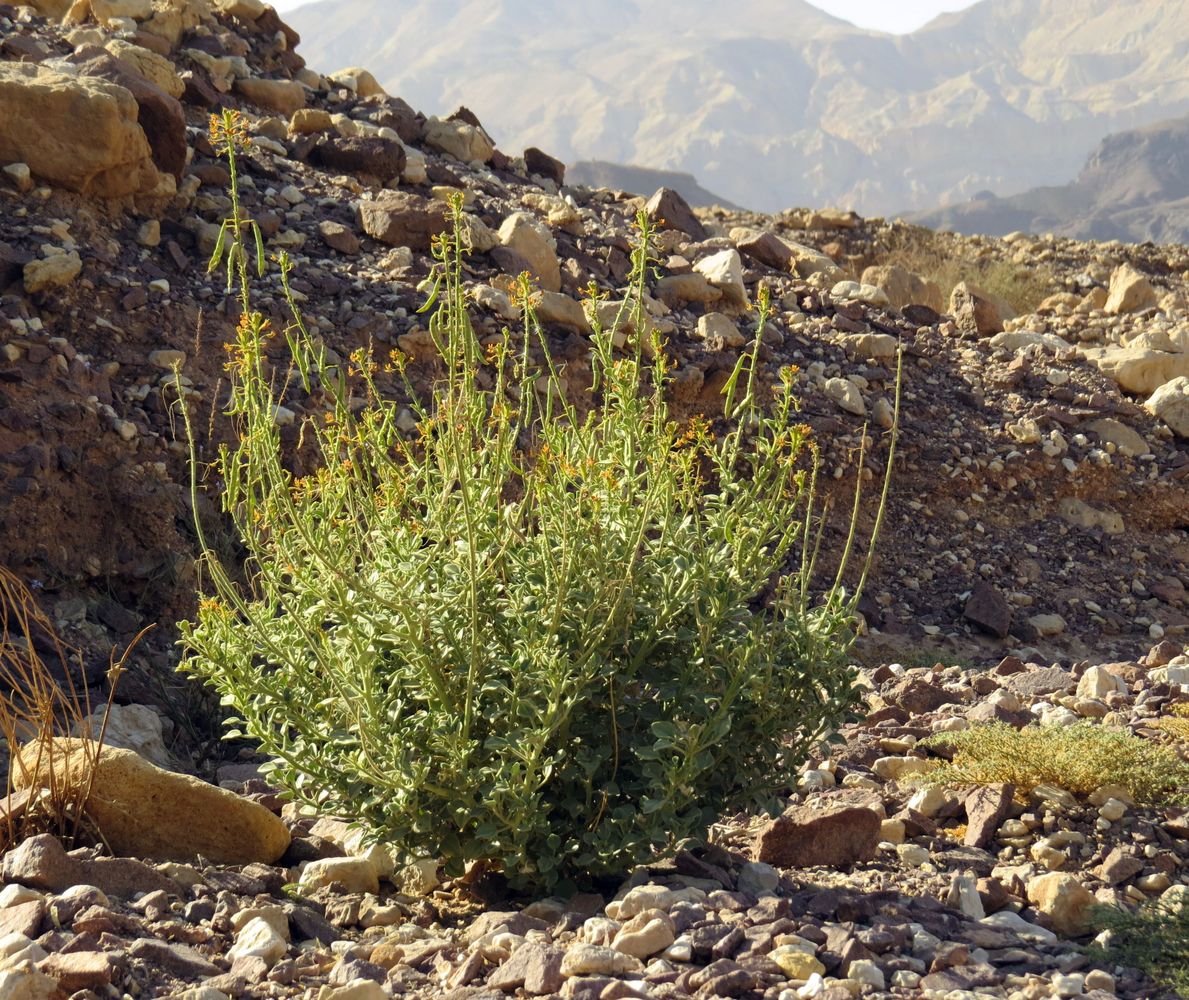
point(1134, 187)
point(774, 103)
point(642, 180)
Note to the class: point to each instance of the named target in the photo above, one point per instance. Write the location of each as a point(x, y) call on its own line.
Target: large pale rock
point(1138, 369)
point(805, 837)
point(724, 270)
point(529, 237)
point(1170, 403)
point(460, 139)
point(977, 311)
point(78, 133)
point(54, 9)
point(1130, 291)
point(158, 70)
point(145, 811)
point(282, 96)
point(1125, 439)
point(904, 288)
point(1066, 901)
point(359, 80)
point(130, 727)
point(107, 11)
point(561, 310)
point(16, 985)
point(56, 271)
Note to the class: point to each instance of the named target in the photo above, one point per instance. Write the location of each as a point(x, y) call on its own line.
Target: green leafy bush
point(1153, 938)
point(1077, 758)
point(530, 635)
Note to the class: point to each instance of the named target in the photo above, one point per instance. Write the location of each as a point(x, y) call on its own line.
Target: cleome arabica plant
point(534, 635)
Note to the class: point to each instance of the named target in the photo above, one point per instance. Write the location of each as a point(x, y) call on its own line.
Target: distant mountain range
point(773, 103)
point(1134, 187)
point(643, 180)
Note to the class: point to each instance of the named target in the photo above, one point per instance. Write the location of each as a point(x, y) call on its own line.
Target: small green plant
point(1153, 938)
point(532, 636)
point(1078, 758)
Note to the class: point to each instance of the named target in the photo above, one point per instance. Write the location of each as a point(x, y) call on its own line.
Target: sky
point(896, 16)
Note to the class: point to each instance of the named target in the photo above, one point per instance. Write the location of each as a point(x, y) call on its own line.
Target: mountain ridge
point(872, 121)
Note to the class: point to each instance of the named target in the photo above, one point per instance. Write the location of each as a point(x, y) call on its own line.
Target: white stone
point(1170, 403)
point(259, 938)
point(847, 395)
point(724, 270)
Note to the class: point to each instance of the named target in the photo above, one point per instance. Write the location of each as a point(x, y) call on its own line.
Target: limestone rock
point(977, 311)
point(356, 874)
point(134, 727)
point(834, 836)
point(282, 96)
point(465, 142)
point(1138, 369)
point(145, 811)
point(106, 11)
point(1170, 403)
point(57, 271)
point(903, 287)
point(528, 236)
point(1065, 900)
point(1130, 291)
point(724, 270)
point(1126, 439)
point(596, 960)
point(719, 332)
point(847, 395)
point(158, 70)
point(360, 81)
point(78, 133)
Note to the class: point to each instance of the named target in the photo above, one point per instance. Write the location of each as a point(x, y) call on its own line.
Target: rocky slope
point(773, 103)
point(1134, 187)
point(1038, 515)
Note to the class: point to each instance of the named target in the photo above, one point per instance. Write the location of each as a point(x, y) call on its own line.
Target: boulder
point(1125, 439)
point(1170, 403)
point(358, 80)
point(56, 271)
point(383, 159)
point(158, 70)
point(834, 836)
point(977, 311)
point(1065, 901)
point(1130, 291)
point(284, 97)
point(668, 210)
point(159, 114)
point(988, 610)
point(724, 270)
point(525, 234)
point(465, 142)
point(129, 727)
point(540, 164)
point(107, 11)
point(903, 288)
point(764, 246)
point(1138, 369)
point(145, 811)
point(79, 133)
point(719, 332)
point(401, 219)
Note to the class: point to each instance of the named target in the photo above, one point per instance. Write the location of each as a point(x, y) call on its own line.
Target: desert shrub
point(40, 700)
point(1078, 758)
point(1153, 938)
point(526, 636)
point(948, 261)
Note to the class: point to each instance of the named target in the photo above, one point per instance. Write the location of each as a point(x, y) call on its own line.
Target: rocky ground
point(1038, 510)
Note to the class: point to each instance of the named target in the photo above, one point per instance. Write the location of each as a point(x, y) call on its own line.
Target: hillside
point(1134, 187)
point(1032, 572)
point(772, 103)
point(643, 181)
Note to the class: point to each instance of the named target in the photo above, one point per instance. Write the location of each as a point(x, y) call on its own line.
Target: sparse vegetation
point(530, 638)
point(1153, 938)
point(40, 701)
point(1077, 758)
point(947, 261)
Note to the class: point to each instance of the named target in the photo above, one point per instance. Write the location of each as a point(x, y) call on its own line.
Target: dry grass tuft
point(1077, 758)
point(39, 700)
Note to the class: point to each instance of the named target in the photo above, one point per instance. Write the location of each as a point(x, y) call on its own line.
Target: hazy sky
point(883, 15)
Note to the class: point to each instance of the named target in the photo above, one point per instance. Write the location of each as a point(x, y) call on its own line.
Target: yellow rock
point(144, 811)
point(796, 963)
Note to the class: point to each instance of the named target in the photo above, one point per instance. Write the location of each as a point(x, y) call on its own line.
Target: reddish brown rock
point(670, 211)
point(805, 838)
point(986, 808)
point(78, 970)
point(987, 609)
point(399, 218)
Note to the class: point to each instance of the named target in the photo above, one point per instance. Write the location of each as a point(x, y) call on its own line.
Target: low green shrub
point(531, 636)
point(1078, 758)
point(1153, 939)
